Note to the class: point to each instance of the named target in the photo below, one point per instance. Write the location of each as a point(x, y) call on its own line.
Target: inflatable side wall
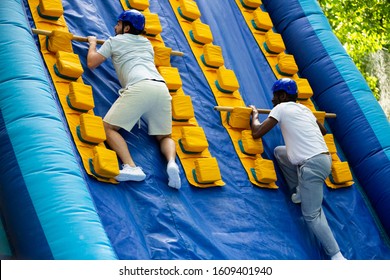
point(361, 127)
point(45, 201)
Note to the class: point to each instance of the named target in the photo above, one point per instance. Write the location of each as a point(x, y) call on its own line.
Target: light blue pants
point(310, 177)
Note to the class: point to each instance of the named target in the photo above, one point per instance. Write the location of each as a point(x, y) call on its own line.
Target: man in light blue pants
point(304, 160)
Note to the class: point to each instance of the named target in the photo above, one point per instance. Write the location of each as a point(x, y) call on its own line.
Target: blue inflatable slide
point(51, 208)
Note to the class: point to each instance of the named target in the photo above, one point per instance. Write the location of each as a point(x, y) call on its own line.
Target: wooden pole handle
point(230, 109)
point(75, 37)
point(262, 111)
point(85, 39)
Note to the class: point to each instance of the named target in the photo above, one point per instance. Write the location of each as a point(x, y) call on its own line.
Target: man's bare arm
point(94, 59)
point(322, 128)
point(260, 129)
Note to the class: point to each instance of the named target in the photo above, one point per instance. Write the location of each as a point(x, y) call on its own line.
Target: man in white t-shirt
point(143, 94)
point(304, 160)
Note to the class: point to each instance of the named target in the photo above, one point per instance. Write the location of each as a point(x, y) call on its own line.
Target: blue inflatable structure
point(51, 209)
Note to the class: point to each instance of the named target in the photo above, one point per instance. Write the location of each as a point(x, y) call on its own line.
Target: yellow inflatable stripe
point(273, 59)
point(188, 160)
point(223, 99)
point(304, 92)
point(339, 168)
point(62, 87)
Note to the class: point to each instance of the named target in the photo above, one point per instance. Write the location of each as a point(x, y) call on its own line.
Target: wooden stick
point(85, 39)
point(262, 111)
point(75, 37)
point(230, 109)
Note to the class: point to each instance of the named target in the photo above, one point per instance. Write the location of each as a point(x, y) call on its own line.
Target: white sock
point(173, 175)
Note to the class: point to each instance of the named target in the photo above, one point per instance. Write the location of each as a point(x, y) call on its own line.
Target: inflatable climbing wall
point(58, 198)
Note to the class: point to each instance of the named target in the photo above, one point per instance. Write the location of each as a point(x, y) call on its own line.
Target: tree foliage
point(363, 27)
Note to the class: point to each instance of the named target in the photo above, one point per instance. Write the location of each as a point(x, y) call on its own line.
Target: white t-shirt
point(300, 131)
point(133, 58)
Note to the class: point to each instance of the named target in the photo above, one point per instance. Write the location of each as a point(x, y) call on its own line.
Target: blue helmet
point(135, 18)
point(285, 84)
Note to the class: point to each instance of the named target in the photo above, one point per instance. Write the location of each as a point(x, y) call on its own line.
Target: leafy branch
point(363, 28)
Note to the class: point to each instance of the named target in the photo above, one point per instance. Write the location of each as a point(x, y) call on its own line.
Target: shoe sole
point(126, 177)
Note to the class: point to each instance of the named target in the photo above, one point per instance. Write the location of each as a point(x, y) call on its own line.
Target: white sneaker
point(338, 257)
point(296, 198)
point(130, 173)
point(173, 175)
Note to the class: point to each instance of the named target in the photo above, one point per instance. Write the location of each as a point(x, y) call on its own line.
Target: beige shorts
point(149, 100)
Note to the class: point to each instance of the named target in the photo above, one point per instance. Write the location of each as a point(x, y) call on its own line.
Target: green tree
point(363, 27)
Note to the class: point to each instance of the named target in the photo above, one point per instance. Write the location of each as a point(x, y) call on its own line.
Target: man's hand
point(92, 40)
point(255, 113)
point(260, 129)
point(94, 59)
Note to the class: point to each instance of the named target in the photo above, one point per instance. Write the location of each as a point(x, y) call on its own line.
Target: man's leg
point(118, 144)
point(289, 170)
point(168, 149)
point(312, 176)
point(167, 146)
point(130, 171)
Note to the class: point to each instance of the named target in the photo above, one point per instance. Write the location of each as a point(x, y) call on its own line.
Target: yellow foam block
point(201, 33)
point(251, 4)
point(308, 103)
point(59, 41)
point(240, 117)
point(206, 170)
point(50, 9)
point(152, 24)
point(264, 171)
point(188, 9)
point(68, 65)
point(182, 109)
point(212, 56)
point(105, 162)
point(335, 157)
point(226, 80)
point(162, 55)
point(340, 173)
point(171, 76)
point(180, 91)
point(80, 97)
point(249, 145)
point(137, 4)
point(286, 64)
point(91, 129)
point(193, 139)
point(320, 116)
point(304, 89)
point(329, 140)
point(261, 20)
point(273, 42)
